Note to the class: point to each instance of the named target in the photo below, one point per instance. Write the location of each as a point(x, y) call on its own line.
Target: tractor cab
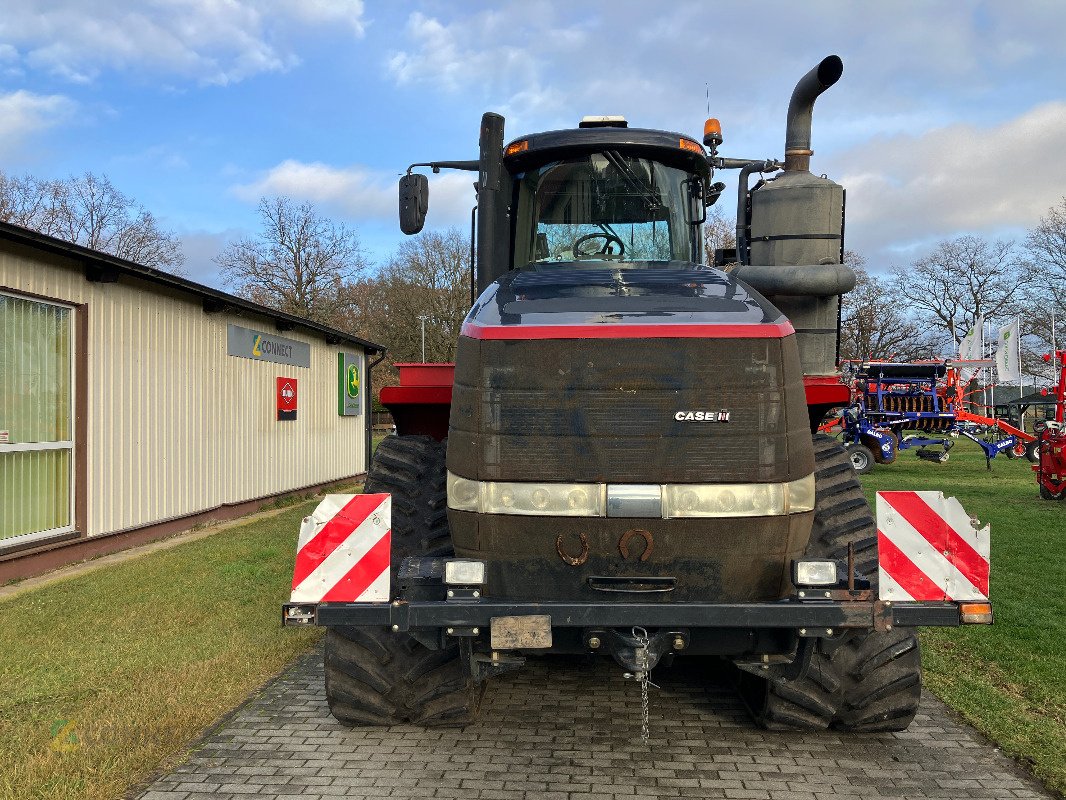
point(606, 196)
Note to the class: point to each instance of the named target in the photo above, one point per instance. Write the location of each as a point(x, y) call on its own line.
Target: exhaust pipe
point(795, 235)
point(800, 109)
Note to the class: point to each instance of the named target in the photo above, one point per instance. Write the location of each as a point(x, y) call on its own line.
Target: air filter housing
point(798, 220)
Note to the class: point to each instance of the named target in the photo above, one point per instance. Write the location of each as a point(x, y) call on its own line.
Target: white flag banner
point(1007, 351)
point(971, 348)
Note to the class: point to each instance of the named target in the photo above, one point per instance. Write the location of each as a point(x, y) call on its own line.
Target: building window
point(36, 419)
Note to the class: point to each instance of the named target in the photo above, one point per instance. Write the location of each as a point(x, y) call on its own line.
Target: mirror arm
point(437, 166)
point(766, 165)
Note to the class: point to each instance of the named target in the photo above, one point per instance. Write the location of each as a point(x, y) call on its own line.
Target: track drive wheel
point(373, 675)
point(862, 681)
point(862, 458)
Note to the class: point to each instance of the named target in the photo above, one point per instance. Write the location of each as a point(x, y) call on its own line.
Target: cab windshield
point(606, 207)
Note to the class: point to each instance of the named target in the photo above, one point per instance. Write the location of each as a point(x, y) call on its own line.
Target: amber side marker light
point(691, 146)
point(516, 147)
point(976, 613)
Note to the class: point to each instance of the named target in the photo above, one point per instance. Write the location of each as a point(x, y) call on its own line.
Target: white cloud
point(490, 55)
point(24, 114)
point(362, 194)
point(204, 40)
point(963, 177)
point(447, 55)
point(545, 62)
point(936, 129)
point(323, 12)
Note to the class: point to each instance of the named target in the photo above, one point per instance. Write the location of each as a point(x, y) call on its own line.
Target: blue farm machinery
point(918, 406)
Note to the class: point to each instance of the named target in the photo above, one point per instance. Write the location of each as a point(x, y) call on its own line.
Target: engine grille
point(604, 411)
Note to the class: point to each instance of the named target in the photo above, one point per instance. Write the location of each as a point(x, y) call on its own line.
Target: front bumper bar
point(470, 613)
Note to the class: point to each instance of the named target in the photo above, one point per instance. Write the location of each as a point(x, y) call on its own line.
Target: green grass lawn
point(1009, 680)
point(108, 675)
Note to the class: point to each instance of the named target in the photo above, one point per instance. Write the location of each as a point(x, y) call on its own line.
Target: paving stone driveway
point(564, 729)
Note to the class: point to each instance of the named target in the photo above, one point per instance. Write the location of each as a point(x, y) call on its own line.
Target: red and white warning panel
point(929, 548)
point(344, 551)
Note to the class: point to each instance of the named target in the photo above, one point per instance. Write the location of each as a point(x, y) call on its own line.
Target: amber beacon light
point(712, 133)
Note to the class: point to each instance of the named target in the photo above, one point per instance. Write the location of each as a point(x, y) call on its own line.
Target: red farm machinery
point(1050, 467)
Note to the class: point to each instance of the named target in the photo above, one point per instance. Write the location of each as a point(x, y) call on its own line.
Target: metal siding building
point(166, 424)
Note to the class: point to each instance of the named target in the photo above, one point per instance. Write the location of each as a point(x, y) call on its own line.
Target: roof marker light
point(517, 147)
point(603, 122)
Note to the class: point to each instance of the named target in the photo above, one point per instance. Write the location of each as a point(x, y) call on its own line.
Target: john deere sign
point(349, 385)
point(259, 346)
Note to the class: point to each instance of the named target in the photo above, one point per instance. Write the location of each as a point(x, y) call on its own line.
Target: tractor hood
point(636, 376)
point(623, 300)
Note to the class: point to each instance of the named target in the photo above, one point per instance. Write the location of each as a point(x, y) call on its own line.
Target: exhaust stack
point(796, 225)
point(801, 108)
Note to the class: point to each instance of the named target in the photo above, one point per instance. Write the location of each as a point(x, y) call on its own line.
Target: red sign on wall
point(286, 398)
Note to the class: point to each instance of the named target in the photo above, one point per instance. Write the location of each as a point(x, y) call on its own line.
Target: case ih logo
point(722, 415)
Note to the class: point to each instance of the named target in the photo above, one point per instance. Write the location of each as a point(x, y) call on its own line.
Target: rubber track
point(863, 681)
point(411, 469)
point(375, 676)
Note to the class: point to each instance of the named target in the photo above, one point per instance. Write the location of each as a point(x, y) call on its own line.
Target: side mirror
point(414, 202)
point(695, 210)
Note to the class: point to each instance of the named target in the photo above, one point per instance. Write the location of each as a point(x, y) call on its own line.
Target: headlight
point(814, 573)
point(547, 499)
point(462, 493)
point(738, 499)
point(462, 572)
point(631, 500)
point(723, 500)
point(538, 499)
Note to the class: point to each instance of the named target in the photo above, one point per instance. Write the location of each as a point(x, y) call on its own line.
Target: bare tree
point(89, 210)
point(1046, 247)
point(874, 325)
point(428, 276)
point(961, 280)
point(719, 233)
point(300, 262)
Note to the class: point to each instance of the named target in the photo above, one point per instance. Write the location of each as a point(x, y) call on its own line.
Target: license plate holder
point(528, 632)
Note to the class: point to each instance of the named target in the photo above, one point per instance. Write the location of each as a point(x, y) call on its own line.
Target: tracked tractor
point(622, 461)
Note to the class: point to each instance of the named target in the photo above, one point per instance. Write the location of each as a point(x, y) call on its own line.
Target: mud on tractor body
point(623, 461)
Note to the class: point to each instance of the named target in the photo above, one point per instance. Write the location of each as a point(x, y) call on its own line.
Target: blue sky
point(950, 117)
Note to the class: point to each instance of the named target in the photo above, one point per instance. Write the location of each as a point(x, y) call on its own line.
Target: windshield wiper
point(606, 228)
point(631, 178)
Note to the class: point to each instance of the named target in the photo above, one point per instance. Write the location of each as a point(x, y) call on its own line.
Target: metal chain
point(643, 641)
